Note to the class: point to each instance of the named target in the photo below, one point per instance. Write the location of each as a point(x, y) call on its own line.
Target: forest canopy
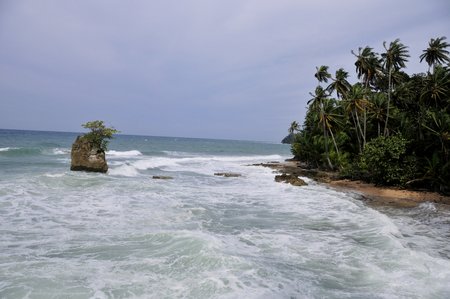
point(390, 127)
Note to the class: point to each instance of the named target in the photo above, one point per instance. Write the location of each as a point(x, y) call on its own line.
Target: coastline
point(370, 193)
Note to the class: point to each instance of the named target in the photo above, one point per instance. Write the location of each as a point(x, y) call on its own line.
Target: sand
point(373, 195)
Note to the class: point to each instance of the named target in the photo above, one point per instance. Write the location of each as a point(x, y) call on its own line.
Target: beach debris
point(228, 174)
point(291, 179)
point(162, 177)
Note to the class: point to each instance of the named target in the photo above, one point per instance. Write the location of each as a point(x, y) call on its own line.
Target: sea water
point(123, 234)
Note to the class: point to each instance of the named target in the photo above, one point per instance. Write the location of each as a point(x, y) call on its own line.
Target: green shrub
point(99, 133)
point(385, 161)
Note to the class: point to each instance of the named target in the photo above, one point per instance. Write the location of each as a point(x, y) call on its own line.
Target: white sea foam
point(124, 170)
point(428, 206)
point(5, 149)
point(178, 154)
point(203, 165)
point(54, 175)
point(131, 153)
point(61, 151)
point(208, 237)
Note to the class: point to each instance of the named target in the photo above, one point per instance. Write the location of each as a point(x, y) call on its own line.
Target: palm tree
point(368, 68)
point(439, 127)
point(367, 65)
point(378, 109)
point(436, 52)
point(330, 119)
point(317, 97)
point(317, 105)
point(340, 84)
point(294, 127)
point(322, 74)
point(435, 87)
point(393, 60)
point(354, 104)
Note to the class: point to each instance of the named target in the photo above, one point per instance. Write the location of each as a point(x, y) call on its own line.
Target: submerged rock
point(86, 156)
point(228, 174)
point(162, 177)
point(291, 179)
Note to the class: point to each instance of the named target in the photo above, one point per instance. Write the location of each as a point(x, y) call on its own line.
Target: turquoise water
point(124, 235)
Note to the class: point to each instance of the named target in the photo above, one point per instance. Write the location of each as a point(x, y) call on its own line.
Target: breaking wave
point(131, 153)
point(202, 165)
point(5, 149)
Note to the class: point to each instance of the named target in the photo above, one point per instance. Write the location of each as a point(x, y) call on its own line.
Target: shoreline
point(373, 195)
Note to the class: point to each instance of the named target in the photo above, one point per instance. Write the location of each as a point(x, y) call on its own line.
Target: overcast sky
point(233, 69)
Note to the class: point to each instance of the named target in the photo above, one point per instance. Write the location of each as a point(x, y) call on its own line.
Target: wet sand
point(374, 195)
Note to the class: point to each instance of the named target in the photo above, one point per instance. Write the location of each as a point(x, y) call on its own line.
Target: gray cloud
point(225, 69)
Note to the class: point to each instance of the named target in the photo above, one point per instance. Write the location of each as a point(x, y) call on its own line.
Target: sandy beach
point(372, 194)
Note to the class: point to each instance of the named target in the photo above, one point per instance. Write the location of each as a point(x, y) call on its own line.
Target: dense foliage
point(99, 134)
point(390, 127)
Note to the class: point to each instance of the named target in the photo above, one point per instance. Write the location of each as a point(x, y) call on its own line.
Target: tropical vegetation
point(99, 135)
point(390, 127)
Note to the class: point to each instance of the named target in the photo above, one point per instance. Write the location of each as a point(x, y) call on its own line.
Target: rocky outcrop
point(162, 177)
point(289, 139)
point(301, 169)
point(87, 157)
point(291, 179)
point(228, 174)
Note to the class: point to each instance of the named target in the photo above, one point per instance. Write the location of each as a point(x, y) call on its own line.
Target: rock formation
point(291, 179)
point(228, 174)
point(87, 157)
point(162, 177)
point(289, 139)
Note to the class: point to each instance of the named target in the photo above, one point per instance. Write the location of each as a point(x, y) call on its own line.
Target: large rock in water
point(291, 179)
point(87, 157)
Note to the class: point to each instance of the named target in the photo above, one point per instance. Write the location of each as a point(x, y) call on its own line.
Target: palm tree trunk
point(363, 136)
point(334, 141)
point(419, 125)
point(356, 130)
point(365, 116)
point(365, 126)
point(389, 102)
point(326, 145)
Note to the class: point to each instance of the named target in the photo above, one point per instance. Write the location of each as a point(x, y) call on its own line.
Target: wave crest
point(132, 153)
point(5, 149)
point(124, 170)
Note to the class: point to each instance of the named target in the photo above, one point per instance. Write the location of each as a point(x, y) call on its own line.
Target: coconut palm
point(294, 127)
point(355, 104)
point(378, 109)
point(322, 74)
point(317, 107)
point(330, 119)
point(368, 68)
point(436, 87)
point(436, 52)
point(367, 65)
point(439, 127)
point(394, 59)
point(340, 84)
point(317, 97)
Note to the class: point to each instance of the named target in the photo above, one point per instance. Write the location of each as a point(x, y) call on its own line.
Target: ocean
point(67, 234)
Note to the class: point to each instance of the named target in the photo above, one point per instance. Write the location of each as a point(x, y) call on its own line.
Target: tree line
point(390, 127)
